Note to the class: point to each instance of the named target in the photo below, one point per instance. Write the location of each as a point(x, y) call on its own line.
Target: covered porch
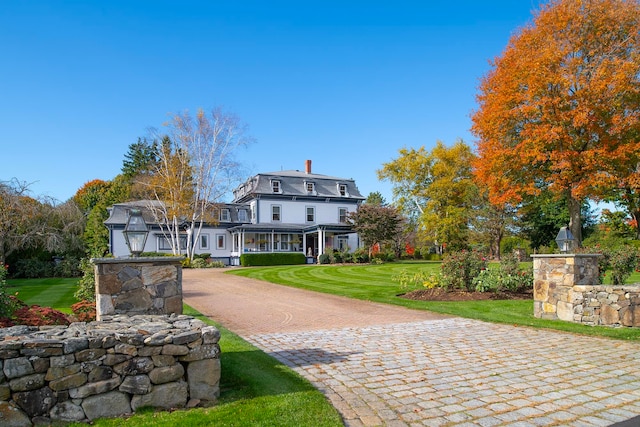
point(312, 240)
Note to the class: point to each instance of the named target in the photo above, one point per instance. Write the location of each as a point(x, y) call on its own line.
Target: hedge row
point(249, 260)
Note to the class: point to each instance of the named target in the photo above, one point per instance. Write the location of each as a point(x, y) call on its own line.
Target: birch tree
point(195, 170)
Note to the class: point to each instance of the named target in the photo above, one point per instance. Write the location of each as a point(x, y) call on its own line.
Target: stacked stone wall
point(567, 287)
point(138, 285)
point(606, 305)
point(106, 368)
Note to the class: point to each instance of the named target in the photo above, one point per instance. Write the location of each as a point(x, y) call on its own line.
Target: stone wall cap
point(566, 255)
point(138, 260)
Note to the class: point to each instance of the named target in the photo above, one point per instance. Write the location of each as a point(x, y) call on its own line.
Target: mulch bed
point(440, 294)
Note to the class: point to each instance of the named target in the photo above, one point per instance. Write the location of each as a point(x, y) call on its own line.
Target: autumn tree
point(94, 198)
point(559, 110)
point(436, 189)
point(195, 170)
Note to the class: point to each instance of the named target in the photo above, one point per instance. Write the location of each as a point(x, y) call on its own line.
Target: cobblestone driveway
point(437, 371)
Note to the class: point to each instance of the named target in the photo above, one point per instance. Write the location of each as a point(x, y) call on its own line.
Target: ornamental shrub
point(324, 259)
point(85, 311)
point(272, 258)
point(459, 269)
point(198, 263)
point(8, 303)
point(622, 262)
point(86, 285)
point(39, 316)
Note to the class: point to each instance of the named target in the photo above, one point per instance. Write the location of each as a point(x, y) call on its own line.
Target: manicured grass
point(256, 389)
point(54, 292)
point(375, 283)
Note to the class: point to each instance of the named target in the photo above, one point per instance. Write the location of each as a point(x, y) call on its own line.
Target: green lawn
point(54, 292)
point(375, 283)
point(256, 389)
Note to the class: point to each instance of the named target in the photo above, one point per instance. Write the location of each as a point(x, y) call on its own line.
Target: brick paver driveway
point(386, 365)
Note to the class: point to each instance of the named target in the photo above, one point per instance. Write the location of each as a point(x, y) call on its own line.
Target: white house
point(285, 211)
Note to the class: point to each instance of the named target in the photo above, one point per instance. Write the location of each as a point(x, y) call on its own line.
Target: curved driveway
point(387, 365)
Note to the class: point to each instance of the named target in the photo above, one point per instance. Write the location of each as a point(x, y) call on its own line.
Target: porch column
point(320, 241)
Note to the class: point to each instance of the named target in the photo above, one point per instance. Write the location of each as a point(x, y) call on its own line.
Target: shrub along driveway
point(386, 365)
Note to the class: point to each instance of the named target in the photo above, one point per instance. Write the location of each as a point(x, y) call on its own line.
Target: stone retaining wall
point(106, 369)
point(138, 285)
point(567, 287)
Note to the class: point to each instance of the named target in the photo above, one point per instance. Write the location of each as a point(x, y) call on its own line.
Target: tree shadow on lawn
point(252, 373)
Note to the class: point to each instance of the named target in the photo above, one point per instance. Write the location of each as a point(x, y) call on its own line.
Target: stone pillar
point(138, 285)
point(553, 279)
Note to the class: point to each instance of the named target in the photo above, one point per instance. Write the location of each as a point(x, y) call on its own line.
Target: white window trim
point(306, 214)
point(311, 184)
point(346, 190)
point(346, 215)
point(224, 242)
point(279, 213)
point(225, 215)
point(208, 241)
point(276, 183)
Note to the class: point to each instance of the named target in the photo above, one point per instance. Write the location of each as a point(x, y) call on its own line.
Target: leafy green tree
point(376, 198)
point(541, 217)
point(141, 159)
point(96, 235)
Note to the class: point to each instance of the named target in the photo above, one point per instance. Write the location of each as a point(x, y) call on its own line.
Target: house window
point(204, 241)
point(311, 214)
point(225, 215)
point(275, 213)
point(263, 242)
point(275, 186)
point(343, 243)
point(242, 215)
point(342, 215)
point(284, 242)
point(165, 245)
point(221, 242)
point(310, 187)
point(342, 189)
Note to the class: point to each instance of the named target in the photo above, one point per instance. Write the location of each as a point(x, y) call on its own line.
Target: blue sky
point(345, 84)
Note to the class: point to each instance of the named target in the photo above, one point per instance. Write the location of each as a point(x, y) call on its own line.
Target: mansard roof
point(293, 183)
point(119, 212)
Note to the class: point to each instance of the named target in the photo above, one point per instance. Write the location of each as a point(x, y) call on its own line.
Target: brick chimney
point(307, 166)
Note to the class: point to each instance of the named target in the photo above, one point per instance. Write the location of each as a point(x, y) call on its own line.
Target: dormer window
point(342, 190)
point(311, 188)
point(275, 186)
point(225, 215)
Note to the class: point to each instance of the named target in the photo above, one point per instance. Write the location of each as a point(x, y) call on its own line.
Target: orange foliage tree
point(560, 109)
